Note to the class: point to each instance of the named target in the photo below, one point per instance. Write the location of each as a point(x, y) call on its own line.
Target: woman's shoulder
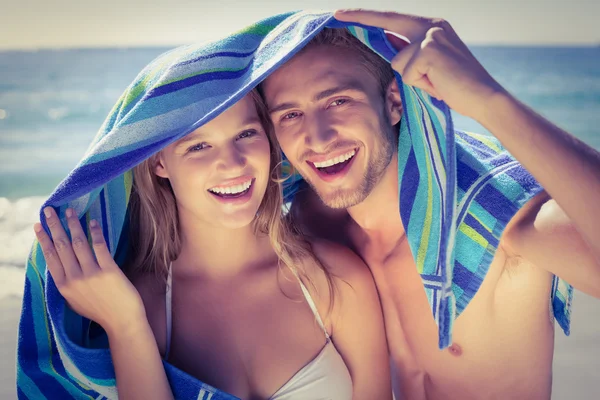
point(340, 261)
point(345, 270)
point(149, 285)
point(351, 282)
point(152, 290)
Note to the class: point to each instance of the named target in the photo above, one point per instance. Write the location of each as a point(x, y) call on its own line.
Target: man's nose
point(320, 133)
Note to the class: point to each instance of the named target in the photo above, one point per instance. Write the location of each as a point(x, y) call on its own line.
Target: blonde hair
point(154, 221)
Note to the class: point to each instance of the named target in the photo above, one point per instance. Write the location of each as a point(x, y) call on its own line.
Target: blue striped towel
point(458, 190)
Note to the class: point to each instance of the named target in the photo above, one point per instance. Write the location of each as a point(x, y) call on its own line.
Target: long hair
point(154, 221)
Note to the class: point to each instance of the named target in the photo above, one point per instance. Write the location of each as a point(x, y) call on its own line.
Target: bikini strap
point(312, 306)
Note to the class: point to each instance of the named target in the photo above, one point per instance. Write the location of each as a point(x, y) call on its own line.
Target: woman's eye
point(198, 147)
point(246, 134)
point(291, 115)
point(338, 102)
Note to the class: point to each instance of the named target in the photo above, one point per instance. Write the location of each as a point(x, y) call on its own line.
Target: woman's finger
point(62, 244)
point(103, 255)
point(50, 255)
point(81, 247)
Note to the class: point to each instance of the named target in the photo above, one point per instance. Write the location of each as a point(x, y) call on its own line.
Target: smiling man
point(336, 108)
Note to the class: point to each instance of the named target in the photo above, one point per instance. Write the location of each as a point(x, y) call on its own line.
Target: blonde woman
point(221, 285)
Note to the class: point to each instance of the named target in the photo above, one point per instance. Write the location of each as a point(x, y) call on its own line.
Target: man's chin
point(340, 198)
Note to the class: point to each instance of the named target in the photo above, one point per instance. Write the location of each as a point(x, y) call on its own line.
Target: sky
point(32, 24)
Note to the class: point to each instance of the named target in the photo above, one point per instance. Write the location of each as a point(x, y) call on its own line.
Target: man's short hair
point(342, 38)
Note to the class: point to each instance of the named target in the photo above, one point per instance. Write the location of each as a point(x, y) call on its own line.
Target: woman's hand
point(94, 287)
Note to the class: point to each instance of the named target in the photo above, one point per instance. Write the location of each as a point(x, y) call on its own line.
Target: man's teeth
point(232, 189)
point(336, 160)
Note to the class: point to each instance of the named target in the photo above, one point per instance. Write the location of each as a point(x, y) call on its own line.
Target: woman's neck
point(219, 253)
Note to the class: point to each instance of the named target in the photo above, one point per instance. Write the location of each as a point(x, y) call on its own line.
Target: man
point(335, 119)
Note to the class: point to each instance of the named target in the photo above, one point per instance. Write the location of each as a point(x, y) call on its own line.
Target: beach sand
point(10, 310)
point(576, 358)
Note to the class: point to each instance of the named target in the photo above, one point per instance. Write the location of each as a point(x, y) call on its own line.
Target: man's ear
point(159, 166)
point(393, 102)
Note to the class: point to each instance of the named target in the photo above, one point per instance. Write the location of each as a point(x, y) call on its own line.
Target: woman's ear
point(393, 102)
point(159, 166)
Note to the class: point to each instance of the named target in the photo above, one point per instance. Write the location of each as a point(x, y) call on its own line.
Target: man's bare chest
point(506, 320)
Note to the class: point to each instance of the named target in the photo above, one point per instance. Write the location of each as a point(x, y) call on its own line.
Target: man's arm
point(561, 234)
point(438, 62)
point(543, 234)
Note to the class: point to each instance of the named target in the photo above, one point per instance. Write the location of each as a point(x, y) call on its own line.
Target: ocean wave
point(11, 281)
point(16, 229)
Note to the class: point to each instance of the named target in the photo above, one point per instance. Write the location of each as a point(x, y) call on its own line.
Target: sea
point(52, 102)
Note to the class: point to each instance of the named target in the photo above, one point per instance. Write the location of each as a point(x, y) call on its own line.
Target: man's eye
point(198, 147)
point(291, 115)
point(338, 102)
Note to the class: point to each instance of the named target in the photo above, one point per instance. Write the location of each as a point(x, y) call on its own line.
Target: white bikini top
point(325, 377)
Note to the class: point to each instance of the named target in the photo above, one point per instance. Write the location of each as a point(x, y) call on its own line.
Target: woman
point(241, 301)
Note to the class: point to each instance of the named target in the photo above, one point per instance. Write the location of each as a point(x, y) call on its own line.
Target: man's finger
point(412, 27)
point(415, 69)
point(81, 247)
point(425, 84)
point(403, 58)
point(50, 255)
point(62, 244)
point(103, 255)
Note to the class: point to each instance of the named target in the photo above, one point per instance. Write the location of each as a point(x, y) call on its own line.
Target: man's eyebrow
point(352, 85)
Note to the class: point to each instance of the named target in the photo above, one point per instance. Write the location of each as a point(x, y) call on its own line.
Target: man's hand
point(436, 61)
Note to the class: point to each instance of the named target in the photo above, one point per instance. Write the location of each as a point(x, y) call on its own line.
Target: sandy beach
point(10, 309)
point(576, 358)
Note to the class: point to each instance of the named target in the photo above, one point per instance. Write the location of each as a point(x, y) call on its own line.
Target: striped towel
point(457, 192)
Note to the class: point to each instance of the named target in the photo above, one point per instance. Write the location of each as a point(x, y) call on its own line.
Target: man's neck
point(378, 215)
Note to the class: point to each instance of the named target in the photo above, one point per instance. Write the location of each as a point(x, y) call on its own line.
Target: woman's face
point(220, 171)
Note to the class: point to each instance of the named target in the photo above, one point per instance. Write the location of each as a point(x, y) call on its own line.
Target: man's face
point(333, 122)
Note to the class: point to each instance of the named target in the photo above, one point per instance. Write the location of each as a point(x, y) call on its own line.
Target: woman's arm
point(356, 322)
point(100, 291)
point(138, 365)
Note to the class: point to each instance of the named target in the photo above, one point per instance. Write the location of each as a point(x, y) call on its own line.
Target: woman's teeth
point(335, 160)
point(236, 189)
